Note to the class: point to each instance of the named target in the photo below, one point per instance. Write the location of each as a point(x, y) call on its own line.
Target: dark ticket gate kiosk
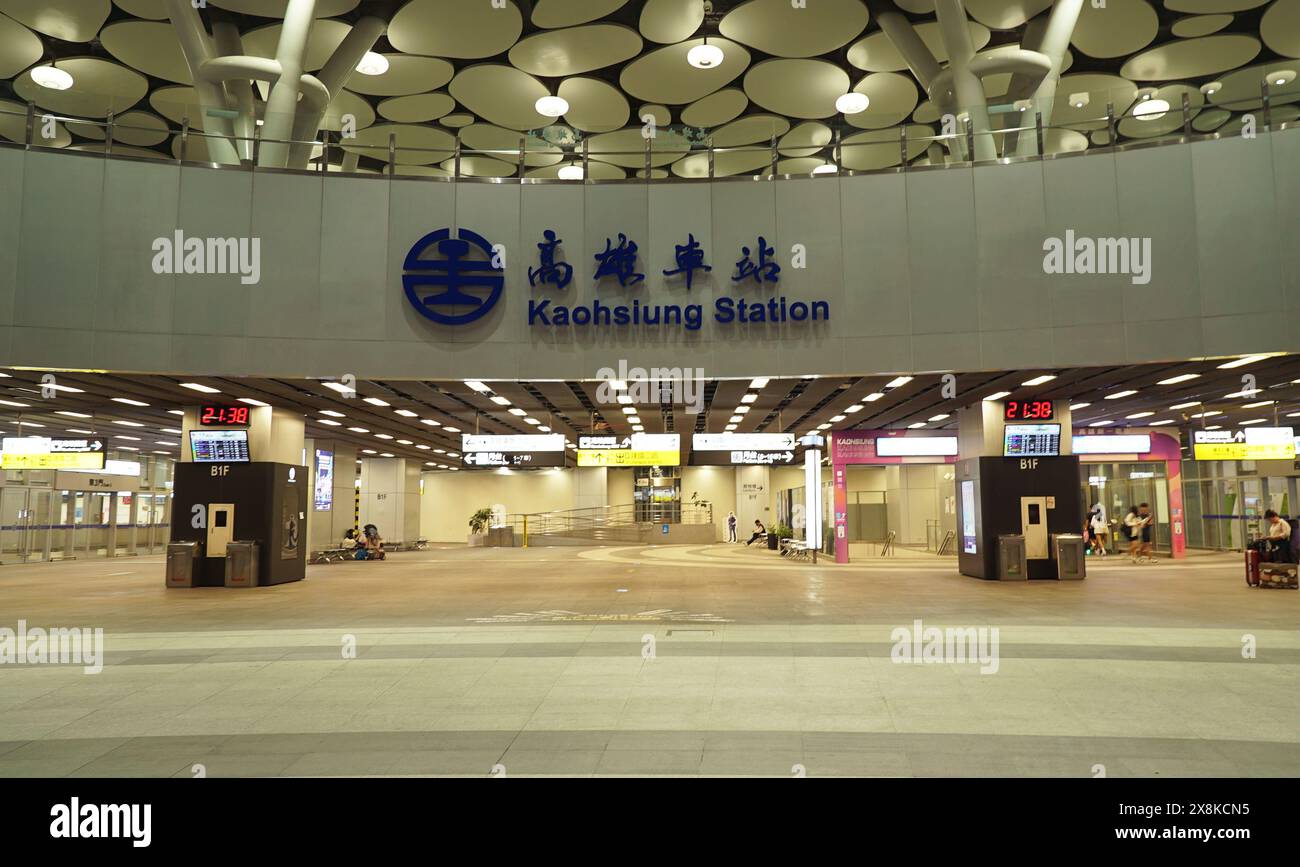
point(1034, 498)
point(264, 503)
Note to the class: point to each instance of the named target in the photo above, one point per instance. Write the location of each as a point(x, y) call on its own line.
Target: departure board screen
point(219, 446)
point(1032, 441)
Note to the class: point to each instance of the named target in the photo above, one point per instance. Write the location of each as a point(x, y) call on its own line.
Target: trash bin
point(241, 564)
point(182, 563)
point(1067, 551)
point(1011, 558)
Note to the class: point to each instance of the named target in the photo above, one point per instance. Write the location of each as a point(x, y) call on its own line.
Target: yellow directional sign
point(1250, 444)
point(628, 458)
point(45, 453)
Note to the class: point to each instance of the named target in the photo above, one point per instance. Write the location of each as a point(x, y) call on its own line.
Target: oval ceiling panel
point(1200, 25)
point(276, 8)
point(1003, 14)
point(785, 29)
point(154, 10)
point(879, 148)
point(751, 129)
point(1117, 29)
point(416, 145)
point(594, 105)
point(797, 88)
point(627, 148)
point(557, 53)
point(149, 46)
point(501, 95)
point(668, 21)
point(805, 140)
point(141, 128)
point(406, 74)
point(503, 144)
point(1280, 27)
point(665, 76)
point(69, 20)
point(454, 28)
point(1191, 58)
point(416, 108)
point(566, 13)
point(19, 47)
point(716, 109)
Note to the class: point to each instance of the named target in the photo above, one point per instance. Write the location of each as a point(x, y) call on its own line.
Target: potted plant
point(777, 533)
point(478, 526)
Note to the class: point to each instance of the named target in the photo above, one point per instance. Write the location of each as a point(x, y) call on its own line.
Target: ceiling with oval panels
point(469, 72)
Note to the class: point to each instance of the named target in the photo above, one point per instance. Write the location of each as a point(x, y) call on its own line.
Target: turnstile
point(1011, 558)
point(1068, 554)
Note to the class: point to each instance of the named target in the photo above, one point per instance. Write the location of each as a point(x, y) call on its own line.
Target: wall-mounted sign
point(915, 447)
point(1248, 444)
point(1029, 410)
point(224, 415)
point(324, 493)
point(748, 449)
point(219, 446)
point(520, 451)
point(46, 453)
point(1112, 444)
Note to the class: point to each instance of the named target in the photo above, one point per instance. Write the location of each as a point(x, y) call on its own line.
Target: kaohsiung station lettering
point(467, 273)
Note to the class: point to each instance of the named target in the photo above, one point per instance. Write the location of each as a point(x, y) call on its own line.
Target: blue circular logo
point(466, 286)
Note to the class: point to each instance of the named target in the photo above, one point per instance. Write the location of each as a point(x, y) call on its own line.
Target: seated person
point(354, 542)
point(759, 532)
point(374, 543)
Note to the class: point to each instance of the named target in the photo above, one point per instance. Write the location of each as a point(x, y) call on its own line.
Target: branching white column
point(967, 87)
point(226, 36)
point(1055, 32)
point(282, 106)
point(334, 75)
point(212, 97)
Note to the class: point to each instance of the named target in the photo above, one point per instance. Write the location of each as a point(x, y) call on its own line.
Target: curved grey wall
point(924, 271)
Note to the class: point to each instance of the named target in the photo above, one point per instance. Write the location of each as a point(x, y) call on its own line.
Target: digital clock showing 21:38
point(1029, 410)
point(221, 415)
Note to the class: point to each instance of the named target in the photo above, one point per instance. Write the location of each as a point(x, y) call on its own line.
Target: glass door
point(13, 525)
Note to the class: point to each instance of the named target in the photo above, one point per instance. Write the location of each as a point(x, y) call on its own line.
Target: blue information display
point(219, 446)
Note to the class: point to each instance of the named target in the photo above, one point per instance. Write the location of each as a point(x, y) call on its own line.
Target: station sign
point(1248, 444)
point(742, 449)
point(1111, 444)
point(637, 450)
point(46, 453)
point(519, 451)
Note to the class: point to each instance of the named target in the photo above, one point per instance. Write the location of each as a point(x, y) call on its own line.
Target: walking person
point(731, 526)
point(1100, 529)
point(1132, 532)
point(1144, 530)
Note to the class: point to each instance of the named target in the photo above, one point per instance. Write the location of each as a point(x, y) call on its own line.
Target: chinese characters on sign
point(619, 262)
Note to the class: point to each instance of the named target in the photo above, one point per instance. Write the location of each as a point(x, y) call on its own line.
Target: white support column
point(334, 75)
point(282, 106)
point(212, 97)
point(1055, 32)
point(226, 36)
point(909, 45)
point(968, 90)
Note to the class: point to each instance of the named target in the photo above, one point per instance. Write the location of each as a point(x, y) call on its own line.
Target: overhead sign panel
point(916, 447)
point(1111, 444)
point(519, 451)
point(637, 450)
point(46, 453)
point(1248, 444)
point(747, 449)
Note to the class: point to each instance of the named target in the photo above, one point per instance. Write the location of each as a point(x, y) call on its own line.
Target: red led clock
point(221, 415)
point(1029, 410)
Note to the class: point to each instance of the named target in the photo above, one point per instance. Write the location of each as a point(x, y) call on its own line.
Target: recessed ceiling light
point(430, 422)
point(13, 403)
point(741, 410)
point(476, 385)
point(77, 430)
point(1182, 377)
point(836, 419)
point(129, 402)
point(822, 426)
point(452, 429)
point(544, 429)
point(939, 417)
point(730, 427)
point(1079, 405)
point(857, 407)
point(163, 443)
point(71, 414)
point(339, 387)
point(919, 424)
point(1240, 362)
point(406, 413)
point(329, 421)
point(997, 395)
point(552, 106)
point(359, 429)
point(758, 384)
point(332, 414)
point(66, 388)
point(873, 397)
point(1140, 415)
point(1162, 421)
point(624, 399)
point(736, 419)
point(1187, 405)
point(52, 77)
point(852, 103)
point(1248, 392)
point(1101, 423)
point(517, 411)
point(898, 382)
point(369, 452)
point(1118, 394)
point(1257, 403)
point(500, 401)
point(384, 436)
point(374, 401)
point(1208, 414)
point(175, 412)
point(251, 401)
point(128, 423)
point(749, 398)
point(124, 437)
point(629, 410)
point(1254, 421)
point(372, 63)
point(1039, 380)
point(206, 389)
point(171, 430)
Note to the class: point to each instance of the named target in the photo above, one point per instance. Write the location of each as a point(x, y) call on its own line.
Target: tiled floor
point(673, 660)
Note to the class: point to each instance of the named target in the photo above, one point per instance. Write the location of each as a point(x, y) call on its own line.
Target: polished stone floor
point(715, 660)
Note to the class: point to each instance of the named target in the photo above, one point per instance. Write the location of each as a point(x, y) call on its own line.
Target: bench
point(795, 549)
point(331, 555)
